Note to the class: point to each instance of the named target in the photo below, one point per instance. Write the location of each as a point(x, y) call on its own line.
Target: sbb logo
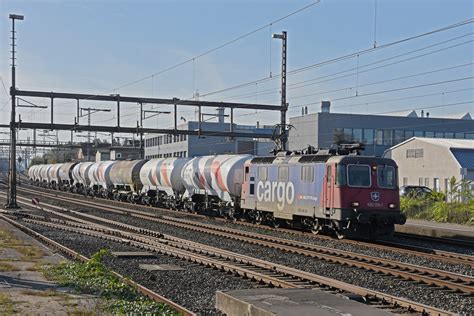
point(281, 192)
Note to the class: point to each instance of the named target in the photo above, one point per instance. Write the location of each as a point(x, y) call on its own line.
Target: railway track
point(427, 253)
point(245, 266)
point(126, 208)
point(433, 277)
point(77, 256)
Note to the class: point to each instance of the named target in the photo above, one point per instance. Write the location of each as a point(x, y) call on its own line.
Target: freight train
point(349, 195)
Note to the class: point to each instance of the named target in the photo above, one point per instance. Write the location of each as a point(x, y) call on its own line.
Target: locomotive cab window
point(358, 175)
point(341, 175)
point(386, 177)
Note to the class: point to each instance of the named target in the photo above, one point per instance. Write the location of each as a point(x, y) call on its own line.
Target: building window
point(459, 135)
point(469, 135)
point(448, 135)
point(387, 137)
point(419, 134)
point(338, 135)
point(420, 181)
point(436, 184)
point(419, 153)
point(405, 180)
point(398, 136)
point(427, 182)
point(379, 137)
point(429, 134)
point(282, 173)
point(439, 134)
point(307, 174)
point(410, 153)
point(408, 135)
point(357, 134)
point(368, 136)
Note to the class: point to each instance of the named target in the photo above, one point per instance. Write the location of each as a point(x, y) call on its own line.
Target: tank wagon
point(213, 183)
point(124, 179)
point(80, 177)
point(350, 195)
point(162, 182)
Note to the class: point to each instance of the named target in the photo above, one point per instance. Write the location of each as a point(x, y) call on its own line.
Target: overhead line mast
point(11, 201)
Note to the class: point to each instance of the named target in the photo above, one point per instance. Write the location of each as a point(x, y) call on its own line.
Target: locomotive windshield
point(358, 175)
point(386, 177)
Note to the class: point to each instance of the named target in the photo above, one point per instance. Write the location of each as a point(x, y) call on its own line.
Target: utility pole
point(89, 112)
point(284, 105)
point(11, 201)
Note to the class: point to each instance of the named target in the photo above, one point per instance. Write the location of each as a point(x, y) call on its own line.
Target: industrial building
point(162, 146)
point(432, 162)
point(378, 132)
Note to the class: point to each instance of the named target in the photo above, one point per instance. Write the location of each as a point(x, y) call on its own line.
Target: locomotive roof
point(344, 159)
point(355, 159)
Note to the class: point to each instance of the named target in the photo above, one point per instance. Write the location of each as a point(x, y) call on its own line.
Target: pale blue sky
point(96, 46)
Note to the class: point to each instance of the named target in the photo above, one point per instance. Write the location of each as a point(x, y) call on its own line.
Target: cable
point(296, 84)
point(344, 57)
point(219, 46)
point(387, 80)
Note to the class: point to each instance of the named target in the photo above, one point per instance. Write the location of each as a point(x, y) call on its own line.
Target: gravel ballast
point(193, 287)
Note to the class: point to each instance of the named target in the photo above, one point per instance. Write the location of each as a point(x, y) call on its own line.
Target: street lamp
point(11, 201)
point(284, 106)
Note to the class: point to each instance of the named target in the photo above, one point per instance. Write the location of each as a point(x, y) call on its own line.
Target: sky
point(98, 46)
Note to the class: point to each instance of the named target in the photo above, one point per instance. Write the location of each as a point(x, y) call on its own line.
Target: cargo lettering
point(281, 192)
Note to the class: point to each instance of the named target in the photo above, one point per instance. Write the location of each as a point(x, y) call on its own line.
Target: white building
point(432, 162)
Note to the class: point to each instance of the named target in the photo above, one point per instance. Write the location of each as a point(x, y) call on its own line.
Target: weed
point(4, 266)
point(93, 277)
point(30, 252)
point(6, 304)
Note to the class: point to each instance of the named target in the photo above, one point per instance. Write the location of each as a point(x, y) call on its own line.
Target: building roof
point(406, 113)
point(443, 142)
point(460, 116)
point(464, 156)
point(461, 149)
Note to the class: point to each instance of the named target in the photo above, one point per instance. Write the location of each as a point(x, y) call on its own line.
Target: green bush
point(457, 206)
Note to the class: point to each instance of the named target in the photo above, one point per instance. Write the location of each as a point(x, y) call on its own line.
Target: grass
point(93, 277)
point(4, 266)
point(28, 252)
point(42, 293)
point(6, 305)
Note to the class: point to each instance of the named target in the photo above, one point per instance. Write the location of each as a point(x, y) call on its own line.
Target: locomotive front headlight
point(392, 205)
point(355, 204)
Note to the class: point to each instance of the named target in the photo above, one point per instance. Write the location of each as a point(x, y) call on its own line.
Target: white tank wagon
point(214, 182)
point(100, 179)
point(65, 174)
point(124, 177)
point(43, 173)
point(80, 176)
point(161, 179)
point(33, 173)
point(53, 175)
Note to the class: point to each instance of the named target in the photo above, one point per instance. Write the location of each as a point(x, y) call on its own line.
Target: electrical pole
point(284, 105)
point(11, 201)
point(89, 112)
